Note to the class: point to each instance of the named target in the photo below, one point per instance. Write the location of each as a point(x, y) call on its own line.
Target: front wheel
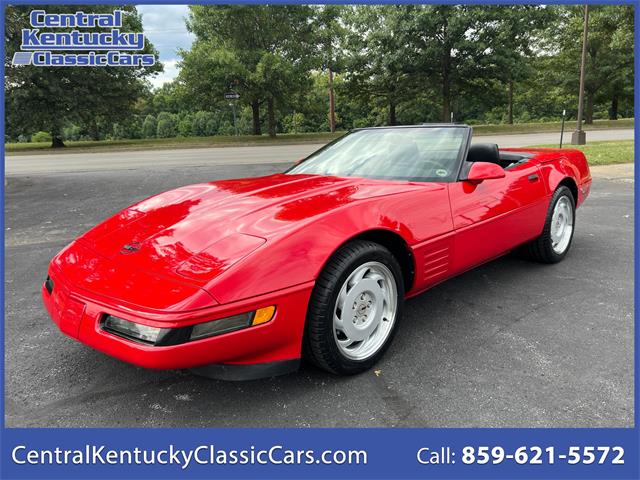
point(555, 241)
point(354, 309)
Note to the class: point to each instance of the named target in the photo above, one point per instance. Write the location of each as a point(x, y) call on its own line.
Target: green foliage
point(49, 98)
point(294, 123)
point(167, 126)
point(391, 64)
point(185, 126)
point(39, 137)
point(149, 127)
point(73, 132)
point(261, 52)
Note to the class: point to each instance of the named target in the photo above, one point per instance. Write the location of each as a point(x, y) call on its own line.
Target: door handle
point(533, 178)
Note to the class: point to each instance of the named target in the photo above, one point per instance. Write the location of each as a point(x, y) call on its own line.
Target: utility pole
point(235, 123)
point(332, 104)
point(579, 137)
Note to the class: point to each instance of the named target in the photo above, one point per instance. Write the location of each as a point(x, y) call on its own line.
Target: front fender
point(295, 256)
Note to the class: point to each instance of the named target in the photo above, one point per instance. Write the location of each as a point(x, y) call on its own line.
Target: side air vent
point(436, 264)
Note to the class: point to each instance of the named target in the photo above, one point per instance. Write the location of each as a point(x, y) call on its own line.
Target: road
point(153, 159)
point(509, 344)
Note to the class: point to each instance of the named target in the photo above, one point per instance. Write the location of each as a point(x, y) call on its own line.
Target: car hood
point(196, 232)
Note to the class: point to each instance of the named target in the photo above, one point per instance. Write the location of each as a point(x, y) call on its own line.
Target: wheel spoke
point(342, 296)
point(357, 276)
point(365, 310)
point(346, 343)
point(561, 225)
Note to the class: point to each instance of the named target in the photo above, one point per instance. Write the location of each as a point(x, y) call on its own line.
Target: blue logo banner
point(320, 453)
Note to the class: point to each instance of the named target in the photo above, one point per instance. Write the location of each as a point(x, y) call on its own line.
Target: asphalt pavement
point(192, 157)
point(509, 344)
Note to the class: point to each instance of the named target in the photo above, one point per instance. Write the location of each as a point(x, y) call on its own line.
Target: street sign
point(232, 96)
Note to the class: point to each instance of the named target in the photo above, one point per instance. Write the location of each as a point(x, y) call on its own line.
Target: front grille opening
point(48, 284)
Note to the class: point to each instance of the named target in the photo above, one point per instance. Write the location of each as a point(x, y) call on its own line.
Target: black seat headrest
point(484, 152)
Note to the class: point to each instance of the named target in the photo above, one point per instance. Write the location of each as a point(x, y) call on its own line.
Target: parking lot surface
point(509, 344)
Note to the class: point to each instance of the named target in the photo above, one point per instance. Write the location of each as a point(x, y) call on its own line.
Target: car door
point(494, 216)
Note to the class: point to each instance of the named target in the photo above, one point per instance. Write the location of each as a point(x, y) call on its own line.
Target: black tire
point(541, 249)
point(320, 345)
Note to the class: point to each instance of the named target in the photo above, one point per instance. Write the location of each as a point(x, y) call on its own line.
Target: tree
point(330, 34)
point(167, 126)
point(378, 63)
point(45, 98)
point(258, 51)
point(185, 125)
point(512, 33)
point(451, 46)
point(609, 69)
point(204, 124)
point(149, 127)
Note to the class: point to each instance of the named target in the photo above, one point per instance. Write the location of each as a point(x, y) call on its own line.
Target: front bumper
point(78, 314)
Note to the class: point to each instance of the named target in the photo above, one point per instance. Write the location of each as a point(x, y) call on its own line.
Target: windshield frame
point(457, 167)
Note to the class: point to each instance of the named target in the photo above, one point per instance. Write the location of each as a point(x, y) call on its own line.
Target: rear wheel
point(354, 309)
point(555, 241)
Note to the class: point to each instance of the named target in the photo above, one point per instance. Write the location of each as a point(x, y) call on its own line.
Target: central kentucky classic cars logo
point(108, 47)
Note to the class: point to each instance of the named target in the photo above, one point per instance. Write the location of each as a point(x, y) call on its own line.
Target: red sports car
point(242, 278)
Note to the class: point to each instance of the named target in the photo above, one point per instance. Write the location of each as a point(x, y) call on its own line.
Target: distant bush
point(204, 124)
point(226, 128)
point(40, 137)
point(119, 132)
point(72, 132)
point(185, 126)
point(167, 127)
point(149, 127)
point(294, 123)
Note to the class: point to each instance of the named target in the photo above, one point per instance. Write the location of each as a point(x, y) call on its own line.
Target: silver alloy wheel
point(365, 311)
point(561, 225)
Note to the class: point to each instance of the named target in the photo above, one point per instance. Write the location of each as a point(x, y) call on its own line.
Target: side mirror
point(481, 171)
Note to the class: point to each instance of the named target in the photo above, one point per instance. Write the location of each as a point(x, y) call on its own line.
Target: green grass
point(603, 153)
point(282, 139)
point(167, 143)
point(550, 126)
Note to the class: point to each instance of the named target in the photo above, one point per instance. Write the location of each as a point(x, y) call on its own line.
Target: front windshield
point(407, 153)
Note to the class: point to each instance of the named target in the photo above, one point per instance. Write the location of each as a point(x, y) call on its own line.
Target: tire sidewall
point(376, 253)
point(562, 191)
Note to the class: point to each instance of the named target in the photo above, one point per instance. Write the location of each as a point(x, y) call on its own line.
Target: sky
point(165, 28)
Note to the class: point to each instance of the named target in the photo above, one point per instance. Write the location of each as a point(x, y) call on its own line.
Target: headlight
point(133, 331)
point(175, 336)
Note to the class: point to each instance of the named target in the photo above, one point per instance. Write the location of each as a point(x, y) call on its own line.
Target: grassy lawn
point(168, 143)
point(247, 140)
point(604, 153)
point(550, 127)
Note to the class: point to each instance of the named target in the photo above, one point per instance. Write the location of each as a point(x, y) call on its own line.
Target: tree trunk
point(392, 112)
point(56, 141)
point(446, 87)
point(510, 107)
point(56, 137)
point(93, 130)
point(255, 112)
point(613, 111)
point(271, 117)
point(588, 114)
point(332, 104)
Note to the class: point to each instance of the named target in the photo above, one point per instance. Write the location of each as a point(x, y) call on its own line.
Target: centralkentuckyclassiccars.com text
point(200, 455)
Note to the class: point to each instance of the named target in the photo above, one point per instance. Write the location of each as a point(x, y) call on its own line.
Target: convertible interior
point(489, 152)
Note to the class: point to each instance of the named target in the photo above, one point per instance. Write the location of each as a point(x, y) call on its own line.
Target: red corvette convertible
point(242, 278)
